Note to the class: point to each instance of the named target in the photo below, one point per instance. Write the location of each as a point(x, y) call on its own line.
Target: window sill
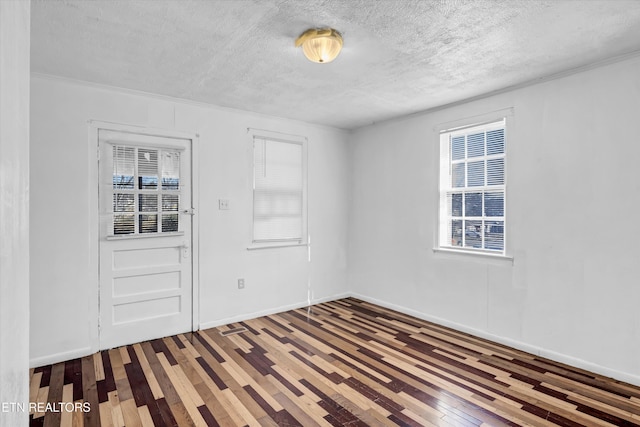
point(276, 246)
point(474, 254)
point(144, 236)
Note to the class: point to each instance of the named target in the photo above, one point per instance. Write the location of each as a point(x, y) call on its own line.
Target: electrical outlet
point(240, 283)
point(223, 204)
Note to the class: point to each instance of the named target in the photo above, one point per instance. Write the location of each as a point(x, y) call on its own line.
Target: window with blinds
point(279, 190)
point(472, 188)
point(146, 190)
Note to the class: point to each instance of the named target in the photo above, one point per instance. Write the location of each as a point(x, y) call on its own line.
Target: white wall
point(14, 211)
point(573, 198)
point(570, 294)
point(63, 271)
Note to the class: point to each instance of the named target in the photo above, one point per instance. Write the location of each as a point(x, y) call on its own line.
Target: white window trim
point(506, 114)
point(284, 137)
point(159, 191)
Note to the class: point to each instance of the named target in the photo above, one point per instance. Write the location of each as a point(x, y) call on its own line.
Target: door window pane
point(170, 202)
point(124, 224)
point(148, 203)
point(123, 202)
point(169, 222)
point(148, 223)
point(123, 167)
point(170, 170)
point(147, 169)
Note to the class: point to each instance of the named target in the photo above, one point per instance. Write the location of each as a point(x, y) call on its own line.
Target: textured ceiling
point(399, 57)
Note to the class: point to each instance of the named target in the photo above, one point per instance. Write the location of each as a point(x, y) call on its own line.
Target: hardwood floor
point(343, 363)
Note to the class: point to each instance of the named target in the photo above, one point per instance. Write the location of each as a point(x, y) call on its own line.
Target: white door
point(146, 270)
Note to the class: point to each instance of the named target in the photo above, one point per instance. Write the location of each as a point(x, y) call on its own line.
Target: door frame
point(94, 126)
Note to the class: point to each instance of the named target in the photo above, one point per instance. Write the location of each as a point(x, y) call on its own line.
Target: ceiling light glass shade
point(320, 45)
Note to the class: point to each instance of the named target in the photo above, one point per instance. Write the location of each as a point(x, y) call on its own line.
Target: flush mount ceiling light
point(320, 45)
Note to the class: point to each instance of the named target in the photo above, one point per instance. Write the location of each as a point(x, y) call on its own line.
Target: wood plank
point(98, 367)
point(55, 394)
point(145, 416)
point(184, 389)
point(106, 415)
point(90, 392)
point(130, 413)
point(148, 372)
point(34, 387)
point(66, 417)
point(41, 399)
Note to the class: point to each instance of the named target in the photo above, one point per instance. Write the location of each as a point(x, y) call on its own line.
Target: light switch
point(223, 204)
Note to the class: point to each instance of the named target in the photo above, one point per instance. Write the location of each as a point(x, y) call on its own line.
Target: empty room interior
point(347, 213)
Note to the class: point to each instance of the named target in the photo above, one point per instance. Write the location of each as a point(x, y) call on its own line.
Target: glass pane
point(123, 167)
point(123, 224)
point(494, 235)
point(495, 172)
point(170, 202)
point(473, 204)
point(147, 169)
point(147, 182)
point(475, 174)
point(458, 175)
point(472, 236)
point(456, 232)
point(148, 223)
point(457, 148)
point(494, 204)
point(123, 202)
point(170, 170)
point(169, 223)
point(148, 203)
point(495, 141)
point(455, 206)
point(475, 145)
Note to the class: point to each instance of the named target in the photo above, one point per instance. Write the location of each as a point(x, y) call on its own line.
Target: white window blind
point(473, 188)
point(278, 190)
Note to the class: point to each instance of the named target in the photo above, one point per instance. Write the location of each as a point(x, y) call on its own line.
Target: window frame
point(443, 241)
point(302, 141)
point(137, 192)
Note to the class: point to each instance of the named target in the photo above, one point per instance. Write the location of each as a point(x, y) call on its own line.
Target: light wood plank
point(98, 366)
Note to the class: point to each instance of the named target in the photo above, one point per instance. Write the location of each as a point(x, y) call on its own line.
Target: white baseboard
point(538, 351)
point(50, 359)
point(85, 351)
point(247, 316)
